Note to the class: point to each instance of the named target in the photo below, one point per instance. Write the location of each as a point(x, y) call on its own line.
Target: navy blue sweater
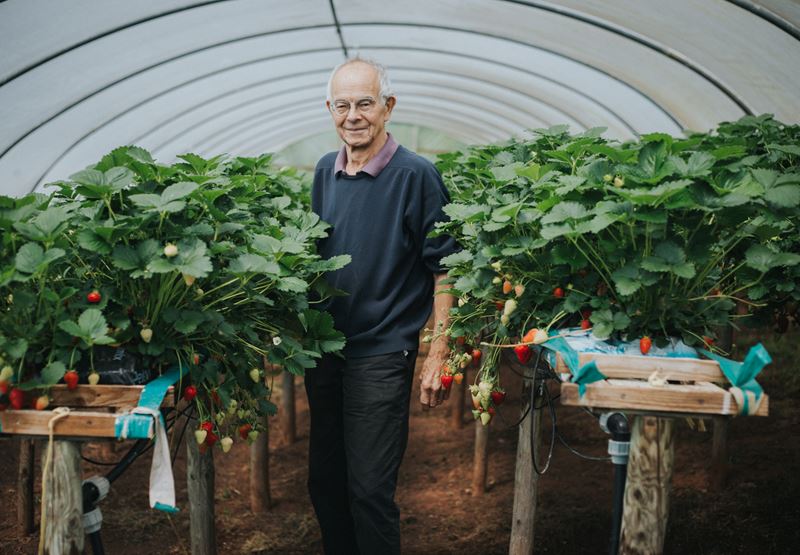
point(382, 223)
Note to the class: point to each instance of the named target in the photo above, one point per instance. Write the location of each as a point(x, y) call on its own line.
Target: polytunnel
point(248, 76)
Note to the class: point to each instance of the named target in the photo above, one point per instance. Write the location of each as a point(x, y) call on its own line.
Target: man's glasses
point(363, 105)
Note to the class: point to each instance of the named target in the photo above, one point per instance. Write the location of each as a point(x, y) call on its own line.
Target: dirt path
point(757, 512)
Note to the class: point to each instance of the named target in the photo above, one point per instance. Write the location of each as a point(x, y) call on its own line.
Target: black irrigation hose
point(544, 392)
point(579, 454)
point(168, 424)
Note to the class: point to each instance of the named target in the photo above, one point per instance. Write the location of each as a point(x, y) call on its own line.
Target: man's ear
point(390, 102)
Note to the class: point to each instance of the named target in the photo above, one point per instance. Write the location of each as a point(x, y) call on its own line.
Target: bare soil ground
point(756, 512)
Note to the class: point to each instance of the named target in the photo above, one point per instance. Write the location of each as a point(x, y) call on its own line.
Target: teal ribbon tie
point(742, 375)
point(581, 375)
point(140, 426)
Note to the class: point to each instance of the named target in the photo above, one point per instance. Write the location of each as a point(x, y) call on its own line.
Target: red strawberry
point(208, 426)
point(16, 397)
point(189, 393)
point(558, 293)
point(507, 287)
point(476, 356)
point(4, 388)
point(708, 340)
point(211, 439)
point(585, 313)
point(196, 359)
point(644, 344)
point(498, 397)
point(490, 410)
point(500, 305)
point(460, 340)
point(71, 379)
point(93, 296)
point(42, 402)
point(524, 353)
point(215, 398)
point(528, 337)
point(585, 324)
point(447, 381)
point(244, 429)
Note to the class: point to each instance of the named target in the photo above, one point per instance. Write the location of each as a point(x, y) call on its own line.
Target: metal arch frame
point(524, 44)
point(104, 34)
point(296, 53)
point(255, 120)
point(309, 27)
point(768, 15)
point(652, 45)
point(233, 125)
point(237, 106)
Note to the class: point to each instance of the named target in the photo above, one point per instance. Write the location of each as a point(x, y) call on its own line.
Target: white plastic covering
point(78, 78)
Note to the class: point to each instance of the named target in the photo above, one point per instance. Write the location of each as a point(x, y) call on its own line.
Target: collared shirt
point(376, 163)
point(382, 222)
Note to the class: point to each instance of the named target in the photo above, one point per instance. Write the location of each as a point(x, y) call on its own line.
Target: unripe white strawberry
point(497, 281)
point(188, 280)
point(170, 250)
point(146, 334)
point(485, 418)
point(497, 265)
point(226, 443)
point(519, 289)
point(255, 374)
point(540, 337)
point(200, 436)
point(94, 378)
point(504, 319)
point(6, 373)
point(509, 307)
point(252, 436)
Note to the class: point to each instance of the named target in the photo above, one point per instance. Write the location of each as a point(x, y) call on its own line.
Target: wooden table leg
point(480, 465)
point(526, 481)
point(200, 485)
point(650, 465)
point(260, 498)
point(63, 509)
point(25, 479)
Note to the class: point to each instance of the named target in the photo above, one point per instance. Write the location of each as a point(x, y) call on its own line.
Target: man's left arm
point(431, 391)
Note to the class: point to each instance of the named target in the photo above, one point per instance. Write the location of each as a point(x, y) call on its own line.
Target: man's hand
point(431, 391)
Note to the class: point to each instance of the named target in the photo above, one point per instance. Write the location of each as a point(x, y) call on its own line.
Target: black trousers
point(359, 431)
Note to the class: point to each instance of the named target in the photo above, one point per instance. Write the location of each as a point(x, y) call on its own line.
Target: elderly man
point(382, 201)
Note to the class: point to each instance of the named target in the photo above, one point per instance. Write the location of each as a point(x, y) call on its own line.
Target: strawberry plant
point(204, 263)
point(662, 237)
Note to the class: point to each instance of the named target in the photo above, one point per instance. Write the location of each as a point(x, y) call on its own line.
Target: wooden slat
point(76, 424)
point(121, 396)
point(699, 398)
point(641, 367)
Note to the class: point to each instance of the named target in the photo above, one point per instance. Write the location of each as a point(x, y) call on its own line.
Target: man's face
point(358, 113)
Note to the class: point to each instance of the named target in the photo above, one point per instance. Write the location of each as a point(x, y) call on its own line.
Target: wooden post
point(481, 463)
point(650, 465)
point(63, 508)
point(458, 403)
point(25, 479)
point(260, 499)
point(288, 418)
point(719, 454)
point(526, 481)
point(200, 486)
point(718, 471)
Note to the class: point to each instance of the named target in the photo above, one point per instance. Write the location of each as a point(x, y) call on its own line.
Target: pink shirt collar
point(376, 164)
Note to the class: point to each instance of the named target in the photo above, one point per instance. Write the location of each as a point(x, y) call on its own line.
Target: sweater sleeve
point(433, 199)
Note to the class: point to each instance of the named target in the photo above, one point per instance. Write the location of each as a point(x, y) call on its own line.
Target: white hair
point(386, 91)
